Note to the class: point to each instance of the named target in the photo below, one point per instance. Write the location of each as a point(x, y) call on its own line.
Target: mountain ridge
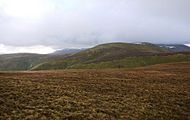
point(103, 53)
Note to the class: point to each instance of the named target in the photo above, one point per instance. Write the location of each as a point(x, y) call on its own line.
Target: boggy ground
point(155, 92)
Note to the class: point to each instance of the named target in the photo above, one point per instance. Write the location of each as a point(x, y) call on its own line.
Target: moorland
point(114, 81)
point(154, 92)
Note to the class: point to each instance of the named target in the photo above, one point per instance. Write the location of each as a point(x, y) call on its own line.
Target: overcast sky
point(55, 24)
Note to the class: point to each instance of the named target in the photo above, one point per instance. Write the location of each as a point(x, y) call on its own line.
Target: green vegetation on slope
point(18, 61)
point(94, 57)
point(129, 62)
point(113, 51)
point(25, 61)
point(132, 62)
point(54, 65)
point(111, 55)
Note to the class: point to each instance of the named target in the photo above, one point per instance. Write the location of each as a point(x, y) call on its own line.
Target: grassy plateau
point(155, 92)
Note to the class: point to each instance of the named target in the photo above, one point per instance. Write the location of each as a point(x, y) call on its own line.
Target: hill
point(112, 51)
point(67, 51)
point(18, 61)
point(111, 55)
point(24, 61)
point(176, 47)
point(115, 55)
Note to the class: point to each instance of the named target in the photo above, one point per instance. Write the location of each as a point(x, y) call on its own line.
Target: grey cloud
point(85, 23)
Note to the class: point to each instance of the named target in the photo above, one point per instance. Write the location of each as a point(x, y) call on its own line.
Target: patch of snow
point(188, 45)
point(171, 47)
point(138, 43)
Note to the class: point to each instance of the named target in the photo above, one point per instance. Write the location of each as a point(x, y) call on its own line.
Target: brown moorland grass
point(154, 92)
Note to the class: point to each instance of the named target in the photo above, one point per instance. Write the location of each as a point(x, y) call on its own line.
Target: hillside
point(129, 62)
point(18, 61)
point(24, 61)
point(110, 51)
point(106, 53)
point(67, 51)
point(111, 55)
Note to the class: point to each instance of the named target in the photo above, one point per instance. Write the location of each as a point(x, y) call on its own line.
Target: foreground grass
point(156, 92)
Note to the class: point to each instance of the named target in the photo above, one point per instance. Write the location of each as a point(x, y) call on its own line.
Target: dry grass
point(155, 92)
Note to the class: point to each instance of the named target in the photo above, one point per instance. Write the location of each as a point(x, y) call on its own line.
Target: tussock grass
point(155, 92)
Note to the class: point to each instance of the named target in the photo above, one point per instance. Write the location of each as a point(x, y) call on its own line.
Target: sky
point(42, 26)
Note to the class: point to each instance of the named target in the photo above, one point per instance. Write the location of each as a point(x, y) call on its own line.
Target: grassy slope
point(25, 61)
point(110, 51)
point(132, 62)
point(18, 61)
point(102, 53)
point(112, 55)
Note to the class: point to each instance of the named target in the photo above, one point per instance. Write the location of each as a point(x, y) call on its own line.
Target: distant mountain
point(19, 61)
point(67, 51)
point(111, 55)
point(176, 47)
point(25, 61)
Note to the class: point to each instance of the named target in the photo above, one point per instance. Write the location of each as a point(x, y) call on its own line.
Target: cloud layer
point(4, 49)
point(83, 23)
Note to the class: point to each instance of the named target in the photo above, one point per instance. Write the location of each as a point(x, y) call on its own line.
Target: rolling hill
point(110, 55)
point(18, 61)
point(116, 55)
point(102, 53)
point(25, 61)
point(112, 51)
point(67, 51)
